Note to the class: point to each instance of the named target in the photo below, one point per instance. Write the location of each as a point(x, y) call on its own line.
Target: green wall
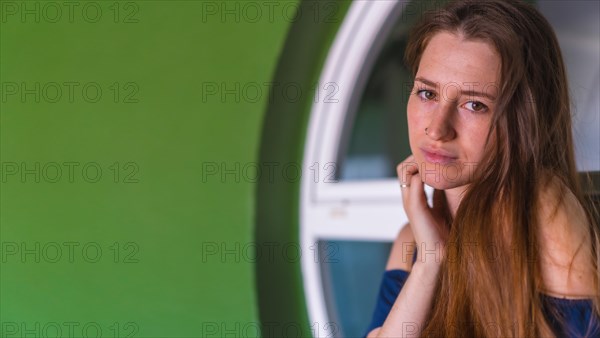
point(151, 212)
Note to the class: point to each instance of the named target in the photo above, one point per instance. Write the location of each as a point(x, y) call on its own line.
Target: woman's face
point(450, 108)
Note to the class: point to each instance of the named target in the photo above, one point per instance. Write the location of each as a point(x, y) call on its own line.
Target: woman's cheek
point(412, 116)
point(478, 141)
point(412, 129)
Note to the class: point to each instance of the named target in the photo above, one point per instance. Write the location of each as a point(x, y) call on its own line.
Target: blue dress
point(577, 313)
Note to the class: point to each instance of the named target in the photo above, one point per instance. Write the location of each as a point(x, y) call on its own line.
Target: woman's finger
point(417, 197)
point(411, 185)
point(406, 169)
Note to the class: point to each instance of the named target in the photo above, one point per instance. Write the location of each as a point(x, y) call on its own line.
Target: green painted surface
point(155, 203)
point(280, 285)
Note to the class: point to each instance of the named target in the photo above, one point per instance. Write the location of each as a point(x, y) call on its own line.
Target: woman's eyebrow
point(470, 93)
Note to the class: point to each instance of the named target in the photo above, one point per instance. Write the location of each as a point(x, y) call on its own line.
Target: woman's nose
point(441, 127)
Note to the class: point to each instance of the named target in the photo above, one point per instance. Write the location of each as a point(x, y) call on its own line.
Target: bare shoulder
point(402, 252)
point(374, 332)
point(565, 244)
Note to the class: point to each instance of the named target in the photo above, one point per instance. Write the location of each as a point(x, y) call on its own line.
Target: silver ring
point(404, 185)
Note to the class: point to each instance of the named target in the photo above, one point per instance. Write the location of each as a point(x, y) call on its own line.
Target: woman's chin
point(442, 184)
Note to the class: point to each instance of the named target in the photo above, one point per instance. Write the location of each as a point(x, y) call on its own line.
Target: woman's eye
point(426, 94)
point(476, 106)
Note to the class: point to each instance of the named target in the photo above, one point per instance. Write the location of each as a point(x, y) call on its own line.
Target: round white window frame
point(342, 210)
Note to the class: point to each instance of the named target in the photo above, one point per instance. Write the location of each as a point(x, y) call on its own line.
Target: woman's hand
point(429, 225)
point(430, 231)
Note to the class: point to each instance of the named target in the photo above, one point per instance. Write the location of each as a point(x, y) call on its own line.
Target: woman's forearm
point(410, 310)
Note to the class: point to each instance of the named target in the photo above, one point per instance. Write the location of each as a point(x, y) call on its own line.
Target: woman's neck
point(453, 197)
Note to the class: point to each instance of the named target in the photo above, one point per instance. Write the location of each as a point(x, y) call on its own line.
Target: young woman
point(509, 248)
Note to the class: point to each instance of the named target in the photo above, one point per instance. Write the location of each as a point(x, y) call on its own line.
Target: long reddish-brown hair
point(530, 139)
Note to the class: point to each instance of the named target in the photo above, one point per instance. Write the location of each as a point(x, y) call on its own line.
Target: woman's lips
point(436, 157)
